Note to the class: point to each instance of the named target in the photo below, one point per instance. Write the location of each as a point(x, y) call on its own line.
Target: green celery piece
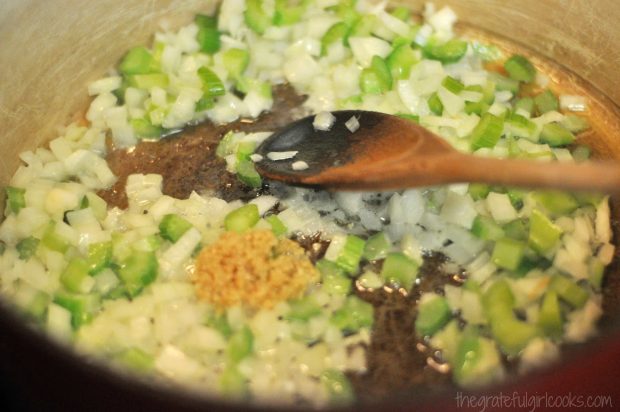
point(208, 36)
point(400, 61)
point(136, 359)
point(286, 14)
point(433, 315)
point(400, 269)
point(574, 123)
point(138, 60)
point(498, 298)
point(376, 79)
point(519, 68)
point(247, 174)
point(351, 254)
point(53, 240)
point(255, 16)
point(504, 83)
point(15, 198)
point(233, 384)
point(377, 246)
point(544, 234)
point(74, 274)
point(148, 80)
point(246, 84)
point(435, 104)
point(242, 219)
point(82, 306)
point(335, 281)
point(27, 247)
point(478, 108)
point(597, 273)
point(145, 129)
point(401, 13)
point(581, 153)
point(546, 102)
point(245, 149)
point(173, 226)
point(236, 61)
point(516, 197)
point(353, 315)
point(555, 202)
point(508, 253)
point(99, 256)
point(487, 132)
point(485, 228)
point(363, 26)
point(413, 117)
point(220, 323)
point(335, 33)
point(488, 92)
point(240, 345)
point(212, 86)
point(205, 103)
point(569, 291)
point(512, 334)
point(449, 52)
point(277, 226)
point(475, 360)
point(453, 85)
point(516, 229)
point(525, 103)
point(138, 271)
point(554, 134)
point(226, 146)
point(550, 317)
point(303, 309)
point(521, 126)
point(478, 191)
point(345, 9)
point(338, 386)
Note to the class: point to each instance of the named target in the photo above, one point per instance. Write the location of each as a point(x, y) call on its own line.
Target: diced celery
point(519, 68)
point(453, 85)
point(15, 198)
point(597, 273)
point(148, 80)
point(247, 84)
point(400, 61)
point(240, 345)
point(345, 9)
point(544, 234)
point(526, 104)
point(449, 52)
point(550, 316)
point(581, 153)
point(575, 123)
point(303, 309)
point(521, 126)
point(137, 61)
point(353, 315)
point(99, 256)
point(508, 253)
point(277, 226)
point(516, 197)
point(413, 117)
point(569, 291)
point(145, 129)
point(338, 386)
point(487, 132)
point(27, 247)
point(478, 108)
point(498, 296)
point(478, 191)
point(546, 102)
point(504, 83)
point(362, 26)
point(205, 103)
point(82, 306)
point(247, 174)
point(554, 134)
point(242, 219)
point(401, 12)
point(400, 269)
point(286, 14)
point(233, 384)
point(136, 359)
point(351, 253)
point(208, 36)
point(226, 145)
point(556, 202)
point(138, 271)
point(53, 241)
point(75, 275)
point(376, 79)
point(485, 228)
point(516, 229)
point(236, 61)
point(335, 33)
point(173, 226)
point(476, 361)
point(433, 314)
point(255, 16)
point(435, 104)
point(377, 246)
point(211, 84)
point(370, 280)
point(334, 279)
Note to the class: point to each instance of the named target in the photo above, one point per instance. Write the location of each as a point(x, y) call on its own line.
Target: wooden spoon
point(389, 152)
